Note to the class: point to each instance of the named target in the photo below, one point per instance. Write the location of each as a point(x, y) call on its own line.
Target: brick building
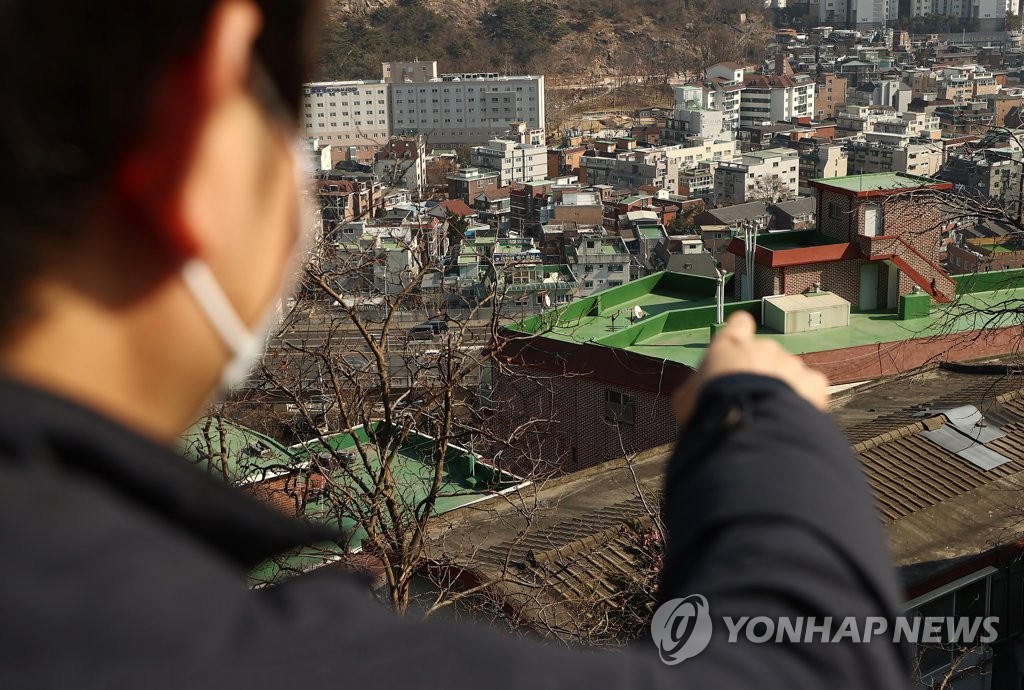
point(588, 382)
point(878, 237)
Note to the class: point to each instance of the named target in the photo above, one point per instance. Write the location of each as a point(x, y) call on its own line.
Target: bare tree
point(771, 189)
point(380, 377)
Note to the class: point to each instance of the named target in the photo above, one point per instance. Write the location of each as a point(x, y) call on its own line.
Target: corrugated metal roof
point(969, 421)
point(955, 441)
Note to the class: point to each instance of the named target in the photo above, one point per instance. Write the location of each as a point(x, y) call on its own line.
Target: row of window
point(344, 113)
point(359, 123)
point(471, 89)
point(320, 104)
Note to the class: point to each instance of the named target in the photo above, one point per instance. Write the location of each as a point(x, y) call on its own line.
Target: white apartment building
point(347, 113)
point(599, 263)
point(402, 163)
point(991, 14)
point(450, 109)
point(519, 155)
point(706, 151)
point(897, 154)
point(657, 167)
point(867, 119)
point(858, 14)
point(769, 99)
point(458, 109)
point(692, 119)
point(514, 161)
point(723, 90)
point(738, 182)
point(751, 99)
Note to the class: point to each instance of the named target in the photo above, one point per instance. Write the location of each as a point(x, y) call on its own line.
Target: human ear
point(153, 179)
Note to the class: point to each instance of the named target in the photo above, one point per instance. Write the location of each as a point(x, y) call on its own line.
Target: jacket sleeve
point(768, 515)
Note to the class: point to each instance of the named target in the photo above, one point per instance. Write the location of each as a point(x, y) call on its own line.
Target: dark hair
point(75, 91)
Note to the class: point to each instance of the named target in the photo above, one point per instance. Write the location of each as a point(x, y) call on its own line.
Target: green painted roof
point(797, 239)
point(250, 455)
point(650, 232)
point(465, 480)
point(635, 198)
point(875, 182)
point(680, 309)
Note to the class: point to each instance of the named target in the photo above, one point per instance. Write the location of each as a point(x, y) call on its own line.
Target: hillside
point(572, 42)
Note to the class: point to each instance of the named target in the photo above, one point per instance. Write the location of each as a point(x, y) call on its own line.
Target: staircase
point(925, 273)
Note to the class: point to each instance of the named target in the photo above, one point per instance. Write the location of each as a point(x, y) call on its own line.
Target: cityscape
point(511, 274)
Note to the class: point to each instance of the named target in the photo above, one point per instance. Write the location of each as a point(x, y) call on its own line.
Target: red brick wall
point(839, 227)
point(917, 219)
point(964, 261)
point(767, 281)
point(578, 437)
point(839, 277)
point(570, 432)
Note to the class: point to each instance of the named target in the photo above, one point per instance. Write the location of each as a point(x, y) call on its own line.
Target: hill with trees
point(592, 40)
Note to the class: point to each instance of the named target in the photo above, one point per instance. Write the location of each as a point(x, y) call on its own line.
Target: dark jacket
point(124, 567)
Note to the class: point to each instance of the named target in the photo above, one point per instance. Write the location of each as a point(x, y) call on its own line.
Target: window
point(619, 407)
point(834, 211)
point(615, 268)
point(969, 601)
point(873, 220)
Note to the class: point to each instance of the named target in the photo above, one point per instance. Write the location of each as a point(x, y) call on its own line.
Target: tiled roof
point(457, 207)
point(939, 509)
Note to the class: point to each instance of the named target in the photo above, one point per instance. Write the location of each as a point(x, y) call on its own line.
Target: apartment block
point(347, 113)
point(457, 109)
point(411, 98)
point(737, 182)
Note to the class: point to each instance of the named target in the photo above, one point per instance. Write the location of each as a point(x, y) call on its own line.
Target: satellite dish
point(638, 313)
point(547, 300)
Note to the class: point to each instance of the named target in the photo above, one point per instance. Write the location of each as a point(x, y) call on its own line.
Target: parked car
point(428, 330)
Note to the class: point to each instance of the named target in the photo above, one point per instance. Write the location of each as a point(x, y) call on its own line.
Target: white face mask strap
point(219, 311)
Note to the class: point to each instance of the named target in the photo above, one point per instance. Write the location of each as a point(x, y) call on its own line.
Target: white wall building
point(512, 160)
point(858, 14)
point(769, 99)
point(450, 109)
point(461, 108)
point(347, 113)
point(599, 263)
point(723, 90)
point(738, 182)
point(991, 14)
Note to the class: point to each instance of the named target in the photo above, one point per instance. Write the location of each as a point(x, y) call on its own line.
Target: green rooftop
point(679, 310)
point(234, 452)
point(768, 154)
point(635, 198)
point(603, 247)
point(876, 182)
point(650, 231)
point(796, 239)
point(466, 479)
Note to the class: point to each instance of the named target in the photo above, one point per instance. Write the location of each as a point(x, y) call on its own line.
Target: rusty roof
point(939, 510)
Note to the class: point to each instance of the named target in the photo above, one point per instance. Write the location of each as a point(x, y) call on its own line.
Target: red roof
point(762, 81)
point(457, 207)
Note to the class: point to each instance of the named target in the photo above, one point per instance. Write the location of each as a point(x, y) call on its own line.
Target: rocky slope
point(592, 38)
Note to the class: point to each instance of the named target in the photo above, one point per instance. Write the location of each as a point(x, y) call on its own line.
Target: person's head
point(135, 139)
